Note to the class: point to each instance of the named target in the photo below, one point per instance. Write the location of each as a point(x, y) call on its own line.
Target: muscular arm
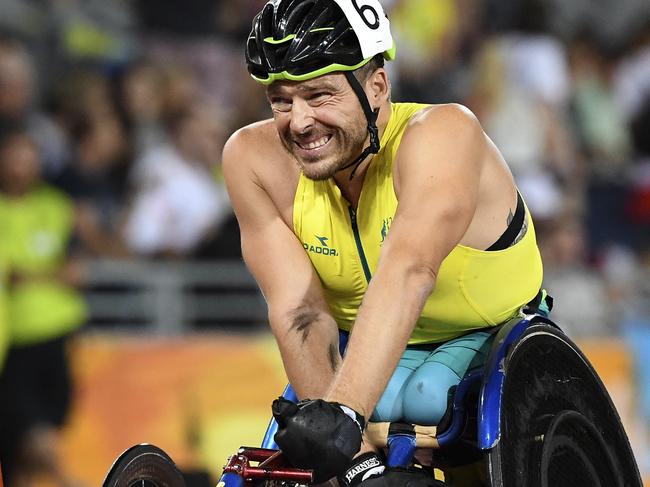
point(306, 333)
point(439, 164)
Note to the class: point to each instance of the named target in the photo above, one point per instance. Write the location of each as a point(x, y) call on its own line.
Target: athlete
point(398, 222)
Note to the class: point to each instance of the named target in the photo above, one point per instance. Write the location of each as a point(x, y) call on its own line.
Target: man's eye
point(281, 105)
point(321, 95)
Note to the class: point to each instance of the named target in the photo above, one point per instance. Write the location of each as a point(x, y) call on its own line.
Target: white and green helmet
point(297, 40)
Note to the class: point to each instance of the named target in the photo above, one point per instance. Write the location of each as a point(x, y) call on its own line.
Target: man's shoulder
point(252, 137)
point(446, 127)
point(249, 146)
point(440, 123)
point(442, 114)
point(255, 152)
point(261, 127)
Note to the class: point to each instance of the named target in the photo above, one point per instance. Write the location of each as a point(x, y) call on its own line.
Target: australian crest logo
point(322, 247)
point(384, 228)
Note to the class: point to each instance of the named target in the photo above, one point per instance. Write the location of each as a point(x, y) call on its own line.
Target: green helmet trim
point(271, 40)
point(286, 76)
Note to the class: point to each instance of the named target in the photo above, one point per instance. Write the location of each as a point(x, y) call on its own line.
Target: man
point(400, 221)
point(43, 311)
point(18, 104)
point(4, 331)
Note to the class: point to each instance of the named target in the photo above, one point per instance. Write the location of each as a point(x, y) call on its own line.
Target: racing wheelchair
point(536, 414)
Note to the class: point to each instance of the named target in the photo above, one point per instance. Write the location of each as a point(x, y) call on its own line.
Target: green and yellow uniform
point(474, 289)
point(4, 326)
point(36, 230)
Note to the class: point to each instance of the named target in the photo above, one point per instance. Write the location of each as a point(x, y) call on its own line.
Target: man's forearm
point(308, 342)
point(390, 309)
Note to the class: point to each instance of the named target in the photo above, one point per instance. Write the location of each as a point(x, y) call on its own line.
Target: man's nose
point(302, 116)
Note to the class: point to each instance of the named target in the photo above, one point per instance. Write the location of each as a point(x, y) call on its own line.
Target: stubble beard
point(348, 145)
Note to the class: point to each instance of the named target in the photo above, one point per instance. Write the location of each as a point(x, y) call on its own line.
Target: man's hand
point(318, 435)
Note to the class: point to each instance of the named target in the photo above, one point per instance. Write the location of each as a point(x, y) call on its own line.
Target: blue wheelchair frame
point(402, 445)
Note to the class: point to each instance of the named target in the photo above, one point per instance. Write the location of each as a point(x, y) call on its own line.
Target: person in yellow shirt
point(43, 310)
point(4, 330)
point(398, 222)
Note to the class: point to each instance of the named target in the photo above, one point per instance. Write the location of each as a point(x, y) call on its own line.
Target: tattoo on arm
point(301, 321)
point(524, 227)
point(522, 232)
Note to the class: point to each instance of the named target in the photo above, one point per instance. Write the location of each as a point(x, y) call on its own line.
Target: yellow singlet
point(474, 288)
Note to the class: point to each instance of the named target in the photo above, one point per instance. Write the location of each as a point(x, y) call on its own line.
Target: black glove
point(318, 435)
point(403, 477)
point(363, 467)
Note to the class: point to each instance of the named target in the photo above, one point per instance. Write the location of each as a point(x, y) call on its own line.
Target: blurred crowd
point(113, 114)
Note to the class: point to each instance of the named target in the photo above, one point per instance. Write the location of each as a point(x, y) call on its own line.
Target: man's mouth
point(314, 144)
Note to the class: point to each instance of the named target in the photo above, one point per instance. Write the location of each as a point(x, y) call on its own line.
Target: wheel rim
point(144, 466)
point(574, 453)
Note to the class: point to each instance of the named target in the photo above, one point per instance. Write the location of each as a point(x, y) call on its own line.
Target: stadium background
point(129, 103)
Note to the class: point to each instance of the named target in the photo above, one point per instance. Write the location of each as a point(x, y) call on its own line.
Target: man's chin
point(319, 171)
point(318, 174)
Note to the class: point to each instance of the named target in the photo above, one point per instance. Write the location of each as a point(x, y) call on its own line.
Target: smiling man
point(318, 147)
point(397, 222)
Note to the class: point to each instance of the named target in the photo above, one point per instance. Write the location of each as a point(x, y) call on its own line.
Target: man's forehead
point(327, 81)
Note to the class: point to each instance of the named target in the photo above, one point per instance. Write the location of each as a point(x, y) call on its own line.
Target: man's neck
point(351, 187)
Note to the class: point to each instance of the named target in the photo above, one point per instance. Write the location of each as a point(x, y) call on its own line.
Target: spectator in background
point(150, 92)
point(18, 104)
point(204, 37)
point(430, 36)
point(82, 92)
point(96, 177)
point(520, 93)
point(582, 306)
point(603, 137)
point(143, 98)
point(601, 129)
point(177, 203)
point(97, 32)
point(97, 180)
point(631, 77)
point(638, 201)
point(4, 330)
point(44, 310)
point(241, 96)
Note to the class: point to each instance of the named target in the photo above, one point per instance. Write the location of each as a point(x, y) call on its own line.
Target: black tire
point(559, 427)
point(144, 466)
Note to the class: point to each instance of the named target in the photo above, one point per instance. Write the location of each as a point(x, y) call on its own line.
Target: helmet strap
point(371, 117)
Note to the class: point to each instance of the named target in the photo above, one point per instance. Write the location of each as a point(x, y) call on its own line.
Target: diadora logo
point(323, 248)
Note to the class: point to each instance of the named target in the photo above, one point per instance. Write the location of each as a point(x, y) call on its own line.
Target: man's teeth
point(317, 143)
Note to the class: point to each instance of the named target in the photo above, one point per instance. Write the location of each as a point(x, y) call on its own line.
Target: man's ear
point(378, 87)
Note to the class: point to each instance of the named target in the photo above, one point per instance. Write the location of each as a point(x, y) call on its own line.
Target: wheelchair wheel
point(559, 427)
point(144, 466)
